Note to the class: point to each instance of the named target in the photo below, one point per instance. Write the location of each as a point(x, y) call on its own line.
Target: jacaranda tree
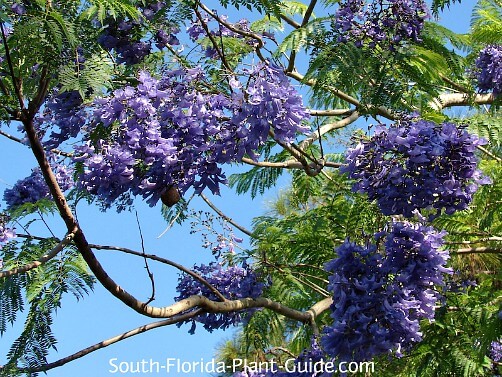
point(387, 244)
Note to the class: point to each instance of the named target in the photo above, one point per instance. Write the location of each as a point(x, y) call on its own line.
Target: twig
point(213, 41)
point(170, 225)
point(109, 342)
point(40, 261)
point(328, 128)
point(15, 81)
point(381, 110)
point(150, 274)
point(488, 153)
point(225, 217)
point(164, 261)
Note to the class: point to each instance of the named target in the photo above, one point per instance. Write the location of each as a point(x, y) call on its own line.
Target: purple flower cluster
point(415, 165)
point(65, 114)
point(381, 22)
point(489, 69)
point(168, 132)
point(6, 234)
point(380, 298)
point(18, 8)
point(125, 36)
point(33, 188)
point(233, 282)
point(496, 352)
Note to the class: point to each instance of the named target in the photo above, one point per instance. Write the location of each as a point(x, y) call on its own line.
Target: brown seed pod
point(171, 196)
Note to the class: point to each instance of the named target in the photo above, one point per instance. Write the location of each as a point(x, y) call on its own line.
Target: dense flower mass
point(233, 282)
point(65, 114)
point(415, 165)
point(380, 22)
point(496, 352)
point(33, 188)
point(126, 38)
point(168, 132)
point(489, 69)
point(379, 299)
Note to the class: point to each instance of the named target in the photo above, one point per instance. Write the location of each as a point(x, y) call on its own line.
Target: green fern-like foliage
point(39, 292)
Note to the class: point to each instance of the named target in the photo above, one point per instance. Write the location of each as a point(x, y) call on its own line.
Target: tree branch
point(328, 128)
point(478, 250)
point(108, 342)
point(290, 164)
point(460, 99)
point(381, 110)
point(329, 113)
point(42, 260)
point(15, 80)
point(225, 217)
point(164, 261)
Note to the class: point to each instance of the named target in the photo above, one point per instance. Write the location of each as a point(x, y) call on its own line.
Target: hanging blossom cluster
point(124, 36)
point(65, 114)
point(6, 234)
point(168, 133)
point(33, 188)
point(489, 69)
point(415, 165)
point(496, 351)
point(380, 22)
point(380, 298)
point(232, 282)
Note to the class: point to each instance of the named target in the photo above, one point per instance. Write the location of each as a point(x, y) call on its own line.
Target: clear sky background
point(100, 316)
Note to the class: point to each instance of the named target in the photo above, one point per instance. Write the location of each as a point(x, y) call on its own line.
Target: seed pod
point(171, 196)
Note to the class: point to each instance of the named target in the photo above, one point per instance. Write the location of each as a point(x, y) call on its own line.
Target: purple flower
point(496, 352)
point(6, 234)
point(233, 282)
point(18, 8)
point(166, 132)
point(415, 165)
point(379, 299)
point(33, 188)
point(489, 69)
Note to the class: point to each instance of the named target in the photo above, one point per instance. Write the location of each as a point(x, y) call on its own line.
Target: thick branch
point(460, 99)
point(42, 260)
point(478, 250)
point(242, 304)
point(290, 164)
point(330, 113)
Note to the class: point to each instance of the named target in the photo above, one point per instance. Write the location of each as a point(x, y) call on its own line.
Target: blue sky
point(101, 316)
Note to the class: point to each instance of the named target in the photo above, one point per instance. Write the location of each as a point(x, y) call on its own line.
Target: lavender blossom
point(489, 69)
point(415, 165)
point(233, 282)
point(386, 23)
point(379, 300)
point(33, 188)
